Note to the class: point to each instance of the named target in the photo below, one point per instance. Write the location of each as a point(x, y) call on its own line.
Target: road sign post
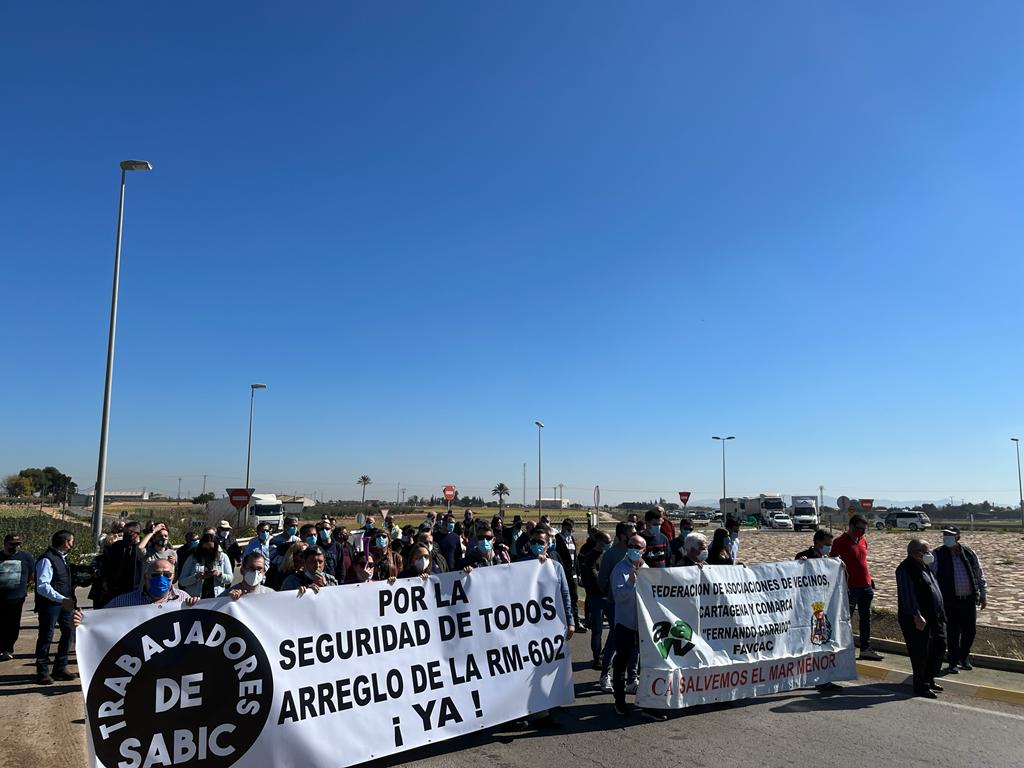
point(449, 495)
point(684, 497)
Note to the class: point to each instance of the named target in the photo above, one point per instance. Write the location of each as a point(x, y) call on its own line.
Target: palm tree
point(501, 491)
point(364, 480)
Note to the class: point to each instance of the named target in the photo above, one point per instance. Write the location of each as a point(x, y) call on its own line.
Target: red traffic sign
point(867, 504)
point(684, 496)
point(239, 497)
point(449, 492)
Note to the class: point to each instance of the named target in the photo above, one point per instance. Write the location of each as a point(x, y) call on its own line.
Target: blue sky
point(425, 225)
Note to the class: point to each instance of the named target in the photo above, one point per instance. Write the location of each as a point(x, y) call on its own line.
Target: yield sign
point(449, 492)
point(684, 496)
point(239, 497)
point(867, 504)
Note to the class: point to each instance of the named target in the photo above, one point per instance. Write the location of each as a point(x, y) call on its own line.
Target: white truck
point(263, 508)
point(764, 507)
point(804, 510)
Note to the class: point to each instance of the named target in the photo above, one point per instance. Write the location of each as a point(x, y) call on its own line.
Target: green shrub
point(37, 530)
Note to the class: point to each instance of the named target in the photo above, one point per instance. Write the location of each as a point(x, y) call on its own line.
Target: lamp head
point(258, 386)
point(539, 424)
point(136, 165)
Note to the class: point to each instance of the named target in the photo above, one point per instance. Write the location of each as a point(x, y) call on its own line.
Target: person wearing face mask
point(55, 606)
point(334, 556)
point(184, 552)
point(16, 566)
point(719, 552)
point(657, 549)
point(590, 567)
point(254, 577)
point(540, 550)
point(387, 563)
point(361, 570)
point(486, 551)
point(852, 548)
point(627, 636)
point(312, 576)
point(123, 564)
point(280, 542)
point(156, 588)
point(451, 544)
point(732, 525)
point(426, 537)
point(822, 546)
point(406, 543)
point(676, 552)
point(695, 550)
point(565, 545)
point(157, 548)
point(921, 616)
point(419, 563)
point(962, 582)
point(208, 572)
point(521, 545)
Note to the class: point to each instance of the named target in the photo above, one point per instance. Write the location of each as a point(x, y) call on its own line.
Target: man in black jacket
point(963, 587)
point(922, 617)
point(821, 548)
point(565, 545)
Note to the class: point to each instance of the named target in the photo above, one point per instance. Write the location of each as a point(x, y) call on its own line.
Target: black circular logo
point(186, 688)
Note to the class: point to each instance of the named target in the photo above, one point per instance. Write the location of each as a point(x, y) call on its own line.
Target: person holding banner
point(822, 546)
point(486, 552)
point(695, 550)
point(627, 636)
point(254, 574)
point(419, 563)
point(156, 588)
point(312, 575)
point(922, 617)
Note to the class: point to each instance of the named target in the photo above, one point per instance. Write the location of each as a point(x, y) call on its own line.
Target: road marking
point(982, 710)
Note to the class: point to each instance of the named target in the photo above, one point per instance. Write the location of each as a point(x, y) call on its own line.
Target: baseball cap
point(951, 529)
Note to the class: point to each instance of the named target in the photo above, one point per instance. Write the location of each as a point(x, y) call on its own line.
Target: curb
point(1000, 663)
point(897, 676)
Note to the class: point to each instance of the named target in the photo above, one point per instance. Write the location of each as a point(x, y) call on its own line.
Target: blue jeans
point(608, 656)
point(860, 600)
point(51, 616)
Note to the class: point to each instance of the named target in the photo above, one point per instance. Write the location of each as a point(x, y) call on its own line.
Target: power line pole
point(179, 489)
point(524, 485)
point(204, 485)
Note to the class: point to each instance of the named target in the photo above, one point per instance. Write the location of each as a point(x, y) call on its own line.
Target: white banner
point(330, 679)
point(731, 632)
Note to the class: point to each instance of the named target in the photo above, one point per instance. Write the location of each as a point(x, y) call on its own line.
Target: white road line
point(982, 710)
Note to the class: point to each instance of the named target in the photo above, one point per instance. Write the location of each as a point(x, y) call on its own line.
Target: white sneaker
point(606, 683)
point(632, 685)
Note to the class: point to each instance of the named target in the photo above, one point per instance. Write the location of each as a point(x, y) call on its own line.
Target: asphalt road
point(864, 725)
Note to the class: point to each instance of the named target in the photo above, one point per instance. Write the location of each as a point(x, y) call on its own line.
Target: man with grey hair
point(922, 617)
point(695, 549)
point(156, 588)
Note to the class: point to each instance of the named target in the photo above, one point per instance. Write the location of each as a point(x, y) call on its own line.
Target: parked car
point(911, 521)
point(782, 521)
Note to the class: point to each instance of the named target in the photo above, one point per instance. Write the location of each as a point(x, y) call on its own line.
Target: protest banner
point(729, 632)
point(332, 678)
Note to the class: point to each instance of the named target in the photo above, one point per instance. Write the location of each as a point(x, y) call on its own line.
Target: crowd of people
point(939, 593)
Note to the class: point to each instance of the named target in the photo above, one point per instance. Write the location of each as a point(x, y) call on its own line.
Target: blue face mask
point(325, 535)
point(826, 549)
point(381, 542)
point(734, 535)
point(311, 541)
point(264, 535)
point(654, 527)
point(451, 527)
point(292, 530)
point(537, 548)
point(192, 544)
point(949, 541)
point(634, 554)
point(486, 546)
point(553, 545)
point(158, 585)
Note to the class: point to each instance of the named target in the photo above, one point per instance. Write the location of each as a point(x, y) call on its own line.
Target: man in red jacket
point(852, 548)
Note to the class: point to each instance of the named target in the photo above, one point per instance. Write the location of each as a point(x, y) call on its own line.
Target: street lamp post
point(723, 439)
point(1020, 489)
point(101, 469)
point(540, 426)
point(248, 458)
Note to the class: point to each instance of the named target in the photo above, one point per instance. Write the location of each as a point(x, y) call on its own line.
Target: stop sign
point(684, 497)
point(239, 497)
point(449, 492)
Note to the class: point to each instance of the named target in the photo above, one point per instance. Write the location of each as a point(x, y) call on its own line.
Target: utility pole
point(179, 489)
point(204, 485)
point(524, 485)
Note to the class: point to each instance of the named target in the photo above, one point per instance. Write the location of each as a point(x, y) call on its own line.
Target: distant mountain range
point(830, 501)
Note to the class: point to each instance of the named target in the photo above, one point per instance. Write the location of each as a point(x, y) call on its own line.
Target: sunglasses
point(487, 538)
point(168, 574)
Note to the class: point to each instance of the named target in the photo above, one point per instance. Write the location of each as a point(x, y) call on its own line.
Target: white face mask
point(423, 564)
point(927, 558)
point(252, 578)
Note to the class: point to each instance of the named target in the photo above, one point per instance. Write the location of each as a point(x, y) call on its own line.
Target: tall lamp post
point(723, 439)
point(101, 469)
point(540, 426)
point(252, 398)
point(1020, 489)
